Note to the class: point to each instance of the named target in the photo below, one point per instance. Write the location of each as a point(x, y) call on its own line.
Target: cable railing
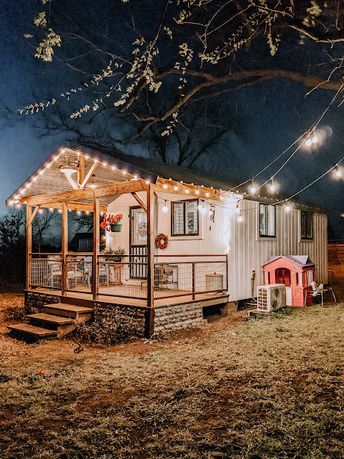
point(189, 277)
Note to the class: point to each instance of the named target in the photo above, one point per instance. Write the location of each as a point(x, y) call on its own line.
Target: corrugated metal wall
point(248, 252)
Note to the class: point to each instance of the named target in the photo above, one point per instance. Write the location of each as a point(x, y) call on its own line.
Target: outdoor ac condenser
point(271, 297)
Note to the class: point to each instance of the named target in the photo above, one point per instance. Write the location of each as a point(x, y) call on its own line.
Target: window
point(185, 218)
point(267, 220)
point(306, 225)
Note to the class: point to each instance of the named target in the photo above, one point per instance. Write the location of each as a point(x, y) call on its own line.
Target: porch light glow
point(187, 191)
point(207, 194)
point(165, 186)
point(197, 192)
point(176, 187)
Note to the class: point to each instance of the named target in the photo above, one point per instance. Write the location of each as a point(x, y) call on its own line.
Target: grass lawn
point(269, 388)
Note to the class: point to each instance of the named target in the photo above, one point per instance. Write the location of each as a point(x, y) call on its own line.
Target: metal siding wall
point(248, 252)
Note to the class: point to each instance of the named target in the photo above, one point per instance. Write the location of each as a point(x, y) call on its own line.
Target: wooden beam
point(28, 234)
point(88, 176)
point(150, 263)
point(96, 242)
point(64, 248)
point(81, 170)
point(139, 200)
point(76, 195)
point(35, 212)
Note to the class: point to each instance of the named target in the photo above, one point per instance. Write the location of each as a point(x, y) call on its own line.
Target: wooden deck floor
point(135, 295)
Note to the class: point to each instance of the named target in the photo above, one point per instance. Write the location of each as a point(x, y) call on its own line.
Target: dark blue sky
point(274, 115)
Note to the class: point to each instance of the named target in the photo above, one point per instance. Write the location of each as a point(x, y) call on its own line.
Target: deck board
point(108, 295)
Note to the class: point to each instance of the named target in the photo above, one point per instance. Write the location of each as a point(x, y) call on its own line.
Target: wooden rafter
point(88, 175)
point(76, 195)
point(35, 212)
point(140, 202)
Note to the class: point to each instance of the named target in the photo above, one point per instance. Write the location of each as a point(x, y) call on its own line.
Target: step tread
point(33, 330)
point(69, 307)
point(58, 320)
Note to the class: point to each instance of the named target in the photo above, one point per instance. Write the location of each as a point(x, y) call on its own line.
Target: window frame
point(184, 234)
point(310, 215)
point(267, 236)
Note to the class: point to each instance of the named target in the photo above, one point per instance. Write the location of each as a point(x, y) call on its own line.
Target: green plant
point(116, 255)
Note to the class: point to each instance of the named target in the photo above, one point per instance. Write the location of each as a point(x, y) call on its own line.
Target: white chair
point(319, 290)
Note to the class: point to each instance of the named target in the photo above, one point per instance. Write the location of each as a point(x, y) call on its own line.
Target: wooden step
point(32, 330)
point(51, 319)
point(66, 310)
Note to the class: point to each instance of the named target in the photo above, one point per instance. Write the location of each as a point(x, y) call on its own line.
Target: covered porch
point(144, 274)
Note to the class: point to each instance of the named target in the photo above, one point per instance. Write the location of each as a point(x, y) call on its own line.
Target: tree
point(149, 61)
point(12, 248)
point(41, 224)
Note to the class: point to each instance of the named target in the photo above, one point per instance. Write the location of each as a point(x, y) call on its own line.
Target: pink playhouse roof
point(300, 260)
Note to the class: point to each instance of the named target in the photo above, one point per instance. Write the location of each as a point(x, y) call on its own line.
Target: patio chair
point(319, 290)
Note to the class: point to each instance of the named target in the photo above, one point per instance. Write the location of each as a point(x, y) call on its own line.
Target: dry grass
point(259, 389)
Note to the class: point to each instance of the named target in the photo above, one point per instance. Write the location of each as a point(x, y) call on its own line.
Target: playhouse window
point(267, 220)
point(185, 219)
point(306, 225)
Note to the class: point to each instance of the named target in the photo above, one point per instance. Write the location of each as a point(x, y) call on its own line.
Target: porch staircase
point(54, 321)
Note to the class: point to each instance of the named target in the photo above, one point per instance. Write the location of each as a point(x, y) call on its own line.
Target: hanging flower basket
point(111, 223)
point(116, 228)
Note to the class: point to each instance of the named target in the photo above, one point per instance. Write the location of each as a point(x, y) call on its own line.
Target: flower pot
point(116, 228)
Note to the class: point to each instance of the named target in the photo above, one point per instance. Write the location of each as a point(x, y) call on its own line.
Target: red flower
point(110, 219)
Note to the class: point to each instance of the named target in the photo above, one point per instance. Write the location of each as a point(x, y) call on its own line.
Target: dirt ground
point(270, 388)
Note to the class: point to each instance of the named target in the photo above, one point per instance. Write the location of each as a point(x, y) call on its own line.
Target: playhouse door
point(138, 243)
point(282, 276)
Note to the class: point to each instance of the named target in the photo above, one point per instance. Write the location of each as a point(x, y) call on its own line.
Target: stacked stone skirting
point(177, 317)
point(132, 320)
point(35, 300)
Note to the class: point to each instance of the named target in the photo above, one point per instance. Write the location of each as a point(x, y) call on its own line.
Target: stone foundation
point(176, 317)
point(35, 300)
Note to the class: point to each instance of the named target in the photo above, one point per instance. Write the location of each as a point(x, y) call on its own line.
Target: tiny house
point(176, 241)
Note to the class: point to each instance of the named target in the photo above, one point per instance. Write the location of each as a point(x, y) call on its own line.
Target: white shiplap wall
point(248, 252)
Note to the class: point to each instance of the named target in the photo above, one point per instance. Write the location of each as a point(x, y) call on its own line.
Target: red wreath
point(161, 241)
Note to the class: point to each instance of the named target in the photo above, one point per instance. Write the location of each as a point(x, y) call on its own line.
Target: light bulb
point(165, 186)
point(240, 218)
point(273, 187)
point(253, 188)
point(338, 172)
point(287, 207)
point(315, 139)
point(164, 208)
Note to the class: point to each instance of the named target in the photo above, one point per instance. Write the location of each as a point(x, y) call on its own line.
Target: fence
point(175, 276)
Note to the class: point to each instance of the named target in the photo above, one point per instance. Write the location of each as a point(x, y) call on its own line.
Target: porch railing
point(175, 276)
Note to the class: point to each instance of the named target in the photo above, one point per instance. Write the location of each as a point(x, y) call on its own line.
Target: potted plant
point(115, 255)
point(114, 258)
point(111, 223)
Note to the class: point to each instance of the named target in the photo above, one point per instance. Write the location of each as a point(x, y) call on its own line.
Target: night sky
point(275, 114)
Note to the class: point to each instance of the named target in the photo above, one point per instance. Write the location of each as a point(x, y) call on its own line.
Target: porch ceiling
point(48, 178)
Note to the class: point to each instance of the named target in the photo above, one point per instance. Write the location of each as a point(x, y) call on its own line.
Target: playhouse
point(296, 272)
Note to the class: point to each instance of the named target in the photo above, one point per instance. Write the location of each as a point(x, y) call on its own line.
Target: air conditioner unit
point(271, 297)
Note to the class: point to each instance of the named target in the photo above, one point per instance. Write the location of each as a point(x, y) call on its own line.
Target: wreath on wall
point(161, 241)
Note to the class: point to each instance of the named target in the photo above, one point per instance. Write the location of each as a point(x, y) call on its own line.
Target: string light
point(240, 218)
point(164, 208)
point(165, 186)
point(287, 207)
point(253, 188)
point(273, 186)
point(338, 172)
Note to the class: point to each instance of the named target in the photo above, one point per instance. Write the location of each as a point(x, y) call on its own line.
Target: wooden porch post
point(64, 247)
point(150, 262)
point(28, 245)
point(96, 239)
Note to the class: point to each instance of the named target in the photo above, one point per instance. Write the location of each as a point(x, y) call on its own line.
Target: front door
point(138, 243)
